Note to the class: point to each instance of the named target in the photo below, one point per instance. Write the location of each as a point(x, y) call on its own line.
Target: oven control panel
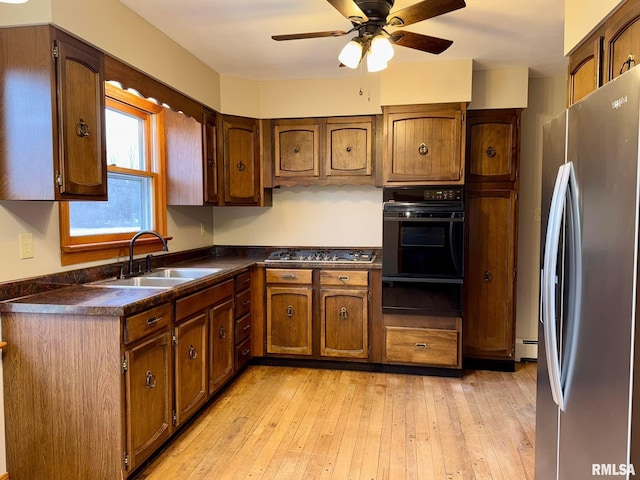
point(448, 194)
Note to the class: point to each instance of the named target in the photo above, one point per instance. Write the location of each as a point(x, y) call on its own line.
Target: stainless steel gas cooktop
point(321, 256)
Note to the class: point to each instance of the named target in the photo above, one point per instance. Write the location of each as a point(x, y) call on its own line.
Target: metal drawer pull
point(423, 149)
point(487, 277)
point(246, 280)
point(193, 353)
point(246, 302)
point(153, 320)
point(343, 278)
point(289, 312)
point(343, 313)
point(245, 352)
point(491, 152)
point(288, 276)
point(240, 166)
point(296, 150)
point(348, 149)
point(421, 346)
point(222, 333)
point(151, 380)
point(246, 327)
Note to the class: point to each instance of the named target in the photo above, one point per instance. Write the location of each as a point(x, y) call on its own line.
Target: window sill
point(73, 254)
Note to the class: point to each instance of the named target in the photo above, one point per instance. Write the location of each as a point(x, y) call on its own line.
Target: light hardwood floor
point(298, 423)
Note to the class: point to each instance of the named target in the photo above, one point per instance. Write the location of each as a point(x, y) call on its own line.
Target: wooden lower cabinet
point(489, 310)
point(423, 341)
point(148, 388)
point(343, 325)
point(221, 345)
point(190, 352)
point(289, 319)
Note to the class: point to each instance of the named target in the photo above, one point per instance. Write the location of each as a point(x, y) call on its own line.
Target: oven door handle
point(425, 220)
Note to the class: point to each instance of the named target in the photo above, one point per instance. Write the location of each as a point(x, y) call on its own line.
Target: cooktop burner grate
point(322, 256)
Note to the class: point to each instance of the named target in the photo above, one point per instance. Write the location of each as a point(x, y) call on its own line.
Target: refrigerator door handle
point(550, 264)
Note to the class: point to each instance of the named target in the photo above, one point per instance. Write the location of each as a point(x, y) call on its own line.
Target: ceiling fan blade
point(350, 10)
point(423, 11)
point(418, 41)
point(298, 36)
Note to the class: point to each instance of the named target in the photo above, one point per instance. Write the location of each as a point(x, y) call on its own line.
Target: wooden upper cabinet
point(52, 121)
point(184, 159)
point(324, 151)
point(349, 147)
point(240, 144)
point(424, 144)
point(622, 39)
point(492, 145)
point(296, 149)
point(210, 157)
point(586, 67)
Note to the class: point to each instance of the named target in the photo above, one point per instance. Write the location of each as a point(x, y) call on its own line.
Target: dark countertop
point(85, 299)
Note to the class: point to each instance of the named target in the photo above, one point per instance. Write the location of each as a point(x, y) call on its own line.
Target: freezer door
point(603, 145)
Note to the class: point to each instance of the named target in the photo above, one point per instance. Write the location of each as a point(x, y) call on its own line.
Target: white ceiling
point(234, 36)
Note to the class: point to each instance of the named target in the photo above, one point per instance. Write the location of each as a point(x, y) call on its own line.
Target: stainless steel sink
point(185, 272)
point(161, 278)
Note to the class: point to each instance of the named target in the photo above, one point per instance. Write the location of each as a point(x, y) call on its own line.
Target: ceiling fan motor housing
point(376, 10)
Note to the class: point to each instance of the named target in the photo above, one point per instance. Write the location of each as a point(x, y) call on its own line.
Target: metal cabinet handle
point(288, 276)
point(296, 150)
point(150, 380)
point(421, 346)
point(491, 152)
point(211, 163)
point(423, 149)
point(222, 333)
point(289, 312)
point(343, 278)
point(240, 166)
point(343, 313)
point(245, 352)
point(193, 353)
point(246, 302)
point(348, 149)
point(153, 320)
point(82, 129)
point(246, 327)
point(487, 277)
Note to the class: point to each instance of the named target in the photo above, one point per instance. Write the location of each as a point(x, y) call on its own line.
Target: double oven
point(422, 251)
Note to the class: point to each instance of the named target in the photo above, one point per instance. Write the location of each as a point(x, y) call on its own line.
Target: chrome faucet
point(133, 240)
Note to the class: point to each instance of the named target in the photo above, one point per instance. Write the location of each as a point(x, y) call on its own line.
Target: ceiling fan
point(370, 18)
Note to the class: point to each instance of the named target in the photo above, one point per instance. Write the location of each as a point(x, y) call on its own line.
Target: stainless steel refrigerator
point(588, 417)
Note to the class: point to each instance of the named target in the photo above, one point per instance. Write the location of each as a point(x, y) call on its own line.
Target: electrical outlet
point(26, 245)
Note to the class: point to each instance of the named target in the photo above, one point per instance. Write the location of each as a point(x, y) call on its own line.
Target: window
point(135, 180)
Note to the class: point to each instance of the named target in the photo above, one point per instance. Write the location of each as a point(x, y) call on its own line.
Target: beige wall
point(582, 17)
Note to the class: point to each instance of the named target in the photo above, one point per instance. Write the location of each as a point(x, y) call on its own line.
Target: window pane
point(129, 208)
point(125, 145)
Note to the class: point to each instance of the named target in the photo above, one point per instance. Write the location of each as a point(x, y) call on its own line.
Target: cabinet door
point(241, 161)
point(297, 150)
point(190, 366)
point(289, 320)
point(492, 145)
point(210, 157)
point(148, 388)
point(81, 101)
point(349, 148)
point(423, 147)
point(489, 316)
point(343, 327)
point(622, 39)
point(221, 345)
point(586, 68)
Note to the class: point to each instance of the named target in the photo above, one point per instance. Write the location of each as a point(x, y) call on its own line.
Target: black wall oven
point(422, 250)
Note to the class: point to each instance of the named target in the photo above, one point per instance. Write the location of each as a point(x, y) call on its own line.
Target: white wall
point(547, 98)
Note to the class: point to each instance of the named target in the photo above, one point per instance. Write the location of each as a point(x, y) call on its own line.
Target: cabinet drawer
point(288, 275)
point(344, 278)
point(187, 306)
point(243, 353)
point(243, 281)
point(426, 346)
point(145, 323)
point(243, 328)
point(243, 303)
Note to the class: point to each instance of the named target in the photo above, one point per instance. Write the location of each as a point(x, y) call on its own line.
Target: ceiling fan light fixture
point(374, 63)
point(381, 48)
point(351, 53)
point(14, 1)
